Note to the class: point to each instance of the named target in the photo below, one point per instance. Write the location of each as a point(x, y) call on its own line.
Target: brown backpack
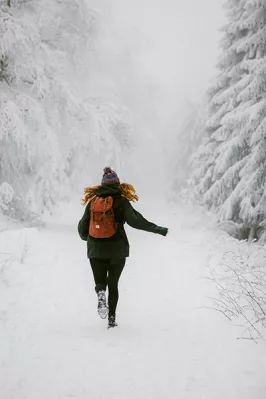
point(102, 219)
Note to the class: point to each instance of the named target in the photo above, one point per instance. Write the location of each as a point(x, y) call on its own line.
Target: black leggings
point(107, 272)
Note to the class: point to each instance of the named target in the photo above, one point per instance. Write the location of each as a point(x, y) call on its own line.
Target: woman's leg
point(99, 268)
point(115, 269)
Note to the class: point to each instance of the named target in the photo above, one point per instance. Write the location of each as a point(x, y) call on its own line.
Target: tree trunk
point(251, 234)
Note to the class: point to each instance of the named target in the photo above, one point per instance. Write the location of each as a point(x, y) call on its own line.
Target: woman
point(108, 255)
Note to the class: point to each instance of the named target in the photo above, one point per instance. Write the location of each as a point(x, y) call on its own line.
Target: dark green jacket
point(118, 245)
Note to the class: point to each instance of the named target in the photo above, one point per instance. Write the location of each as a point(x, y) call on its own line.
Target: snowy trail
point(53, 346)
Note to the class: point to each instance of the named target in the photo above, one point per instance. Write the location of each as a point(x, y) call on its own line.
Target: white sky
point(176, 44)
point(184, 35)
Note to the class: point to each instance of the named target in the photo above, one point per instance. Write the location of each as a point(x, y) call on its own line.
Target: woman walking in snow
point(102, 226)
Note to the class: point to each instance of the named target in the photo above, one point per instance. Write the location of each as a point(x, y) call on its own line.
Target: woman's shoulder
point(120, 199)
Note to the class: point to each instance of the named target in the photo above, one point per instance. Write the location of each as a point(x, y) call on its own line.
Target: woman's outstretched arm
point(137, 221)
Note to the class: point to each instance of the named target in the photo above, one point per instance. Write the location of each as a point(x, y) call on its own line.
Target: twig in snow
point(241, 287)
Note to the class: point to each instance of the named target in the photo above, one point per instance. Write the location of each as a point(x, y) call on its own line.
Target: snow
point(167, 345)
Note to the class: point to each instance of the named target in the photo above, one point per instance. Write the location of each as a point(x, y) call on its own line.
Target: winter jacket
point(116, 246)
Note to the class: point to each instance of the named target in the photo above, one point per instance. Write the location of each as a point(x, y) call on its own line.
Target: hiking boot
point(102, 306)
point(111, 321)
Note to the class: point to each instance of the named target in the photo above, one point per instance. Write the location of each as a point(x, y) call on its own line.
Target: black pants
point(107, 272)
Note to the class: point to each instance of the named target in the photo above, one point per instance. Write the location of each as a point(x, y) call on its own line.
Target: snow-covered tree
point(230, 175)
point(186, 142)
point(29, 148)
point(50, 121)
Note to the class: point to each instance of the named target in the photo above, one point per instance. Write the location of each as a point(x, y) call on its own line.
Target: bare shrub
point(241, 282)
point(6, 260)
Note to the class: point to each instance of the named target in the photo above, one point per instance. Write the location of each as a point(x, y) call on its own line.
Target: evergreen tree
point(186, 143)
point(49, 120)
point(28, 147)
point(231, 176)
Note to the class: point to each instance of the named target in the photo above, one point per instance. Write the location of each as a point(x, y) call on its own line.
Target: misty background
point(96, 83)
point(169, 94)
point(159, 58)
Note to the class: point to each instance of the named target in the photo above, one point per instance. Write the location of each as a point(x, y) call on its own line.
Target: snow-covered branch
point(240, 279)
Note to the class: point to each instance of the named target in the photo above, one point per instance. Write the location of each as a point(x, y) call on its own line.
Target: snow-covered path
point(53, 346)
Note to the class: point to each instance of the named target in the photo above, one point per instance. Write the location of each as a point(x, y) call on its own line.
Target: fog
point(180, 37)
point(183, 38)
point(158, 57)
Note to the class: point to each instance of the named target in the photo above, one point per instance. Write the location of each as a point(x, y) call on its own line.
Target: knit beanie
point(110, 177)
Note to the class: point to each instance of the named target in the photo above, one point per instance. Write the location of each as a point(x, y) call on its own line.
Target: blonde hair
point(127, 191)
